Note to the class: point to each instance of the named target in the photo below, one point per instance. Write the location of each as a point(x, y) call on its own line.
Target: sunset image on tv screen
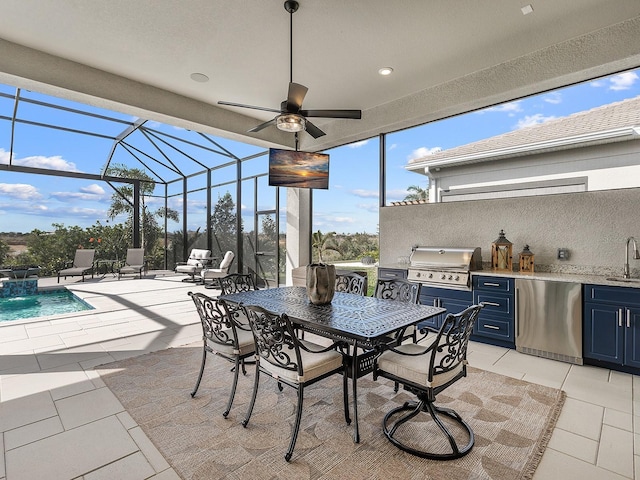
point(288, 168)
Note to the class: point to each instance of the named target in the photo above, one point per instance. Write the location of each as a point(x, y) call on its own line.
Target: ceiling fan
point(291, 117)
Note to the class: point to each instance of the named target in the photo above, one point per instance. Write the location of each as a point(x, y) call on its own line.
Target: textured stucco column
point(298, 229)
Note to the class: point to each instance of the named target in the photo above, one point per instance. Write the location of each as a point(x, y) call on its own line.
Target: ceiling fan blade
point(295, 96)
point(357, 114)
point(257, 128)
point(231, 104)
point(312, 130)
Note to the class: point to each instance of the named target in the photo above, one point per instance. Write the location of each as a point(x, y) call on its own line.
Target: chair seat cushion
point(187, 268)
point(74, 271)
point(415, 369)
point(131, 269)
point(314, 364)
point(213, 273)
point(245, 342)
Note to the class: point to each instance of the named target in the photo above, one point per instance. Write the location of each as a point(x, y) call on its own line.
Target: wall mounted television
point(290, 168)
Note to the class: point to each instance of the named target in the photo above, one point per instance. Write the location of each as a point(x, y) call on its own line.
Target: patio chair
point(223, 334)
point(400, 291)
point(237, 282)
point(198, 259)
point(351, 283)
point(425, 371)
point(291, 361)
point(213, 275)
point(82, 264)
point(134, 263)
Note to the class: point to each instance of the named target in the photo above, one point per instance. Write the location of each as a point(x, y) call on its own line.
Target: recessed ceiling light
point(526, 10)
point(199, 77)
point(385, 71)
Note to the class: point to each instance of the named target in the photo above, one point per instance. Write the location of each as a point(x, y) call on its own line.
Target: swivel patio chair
point(425, 371)
point(211, 276)
point(134, 263)
point(198, 259)
point(291, 361)
point(82, 264)
point(224, 335)
point(351, 283)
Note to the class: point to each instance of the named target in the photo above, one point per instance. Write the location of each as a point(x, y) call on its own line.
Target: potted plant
point(321, 277)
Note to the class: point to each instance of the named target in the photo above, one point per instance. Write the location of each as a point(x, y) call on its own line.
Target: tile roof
point(625, 113)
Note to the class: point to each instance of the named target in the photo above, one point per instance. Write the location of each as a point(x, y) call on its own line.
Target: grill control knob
point(418, 274)
point(431, 275)
point(457, 277)
point(443, 277)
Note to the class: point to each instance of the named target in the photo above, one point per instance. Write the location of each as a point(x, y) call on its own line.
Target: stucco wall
point(592, 225)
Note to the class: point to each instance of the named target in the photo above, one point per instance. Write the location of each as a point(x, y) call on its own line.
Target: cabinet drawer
point(392, 274)
point(490, 327)
point(612, 295)
point(494, 304)
point(494, 284)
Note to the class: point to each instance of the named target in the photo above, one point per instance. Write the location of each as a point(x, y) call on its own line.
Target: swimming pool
point(52, 302)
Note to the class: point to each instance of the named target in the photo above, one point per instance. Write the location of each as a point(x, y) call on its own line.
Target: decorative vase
point(321, 283)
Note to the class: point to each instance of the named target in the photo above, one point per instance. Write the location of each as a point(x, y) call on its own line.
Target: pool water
point(53, 302)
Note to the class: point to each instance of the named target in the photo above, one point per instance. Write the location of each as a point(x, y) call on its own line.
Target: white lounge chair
point(134, 264)
point(82, 264)
point(198, 259)
point(214, 274)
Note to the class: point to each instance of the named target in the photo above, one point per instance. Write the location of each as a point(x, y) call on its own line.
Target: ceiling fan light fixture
point(384, 71)
point(290, 122)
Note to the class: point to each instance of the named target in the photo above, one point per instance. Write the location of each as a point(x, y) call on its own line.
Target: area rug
point(512, 421)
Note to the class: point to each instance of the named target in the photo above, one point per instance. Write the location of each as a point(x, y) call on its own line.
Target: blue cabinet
point(496, 322)
point(611, 323)
point(453, 300)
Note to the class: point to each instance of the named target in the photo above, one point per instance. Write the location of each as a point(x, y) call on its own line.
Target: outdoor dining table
point(367, 324)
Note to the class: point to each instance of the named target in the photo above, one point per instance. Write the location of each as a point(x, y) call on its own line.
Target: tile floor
point(58, 420)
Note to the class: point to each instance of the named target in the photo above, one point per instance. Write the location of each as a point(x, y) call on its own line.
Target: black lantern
point(502, 254)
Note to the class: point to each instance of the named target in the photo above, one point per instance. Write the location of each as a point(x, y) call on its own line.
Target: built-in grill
point(444, 267)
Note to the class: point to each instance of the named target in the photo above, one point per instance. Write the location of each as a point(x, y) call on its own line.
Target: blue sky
point(350, 205)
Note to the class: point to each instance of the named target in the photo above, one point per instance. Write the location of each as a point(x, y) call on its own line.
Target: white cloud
point(423, 152)
point(343, 220)
point(622, 81)
point(52, 163)
point(21, 191)
point(509, 107)
point(393, 146)
point(553, 98)
point(365, 193)
point(93, 189)
point(531, 120)
point(369, 207)
point(359, 144)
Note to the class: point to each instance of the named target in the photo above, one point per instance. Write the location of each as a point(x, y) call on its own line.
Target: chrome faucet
point(636, 256)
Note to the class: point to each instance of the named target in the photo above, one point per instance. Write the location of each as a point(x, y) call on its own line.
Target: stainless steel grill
point(444, 266)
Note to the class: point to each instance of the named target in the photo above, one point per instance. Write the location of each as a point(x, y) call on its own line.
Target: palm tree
point(323, 243)
point(417, 194)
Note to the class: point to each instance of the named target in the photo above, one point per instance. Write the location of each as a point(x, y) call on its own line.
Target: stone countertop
point(550, 276)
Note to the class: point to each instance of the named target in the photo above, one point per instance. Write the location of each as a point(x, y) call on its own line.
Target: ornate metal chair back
point(452, 341)
point(236, 282)
point(216, 320)
point(275, 339)
point(399, 290)
point(350, 283)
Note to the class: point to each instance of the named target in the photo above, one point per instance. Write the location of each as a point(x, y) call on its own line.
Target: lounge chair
point(134, 264)
point(213, 275)
point(198, 259)
point(82, 264)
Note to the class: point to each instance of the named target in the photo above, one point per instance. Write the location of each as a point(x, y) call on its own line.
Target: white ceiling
point(449, 56)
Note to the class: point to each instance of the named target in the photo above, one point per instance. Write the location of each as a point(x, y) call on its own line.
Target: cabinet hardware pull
point(492, 304)
point(628, 318)
point(492, 327)
point(488, 284)
point(619, 317)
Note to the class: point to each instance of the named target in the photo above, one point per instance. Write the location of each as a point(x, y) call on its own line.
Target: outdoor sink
point(624, 280)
